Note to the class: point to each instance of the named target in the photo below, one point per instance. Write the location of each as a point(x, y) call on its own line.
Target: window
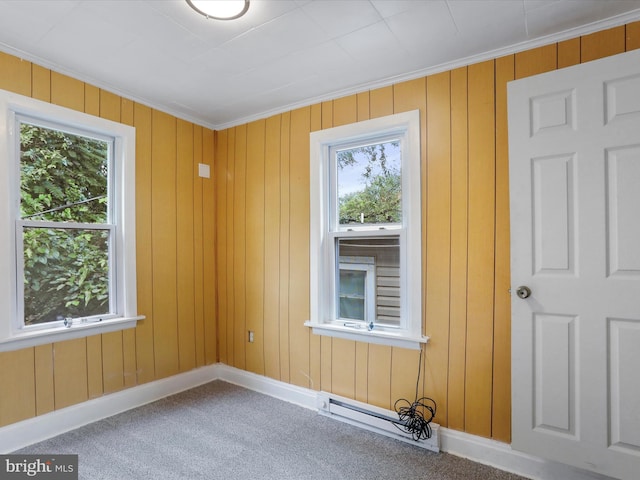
point(365, 231)
point(67, 210)
point(356, 289)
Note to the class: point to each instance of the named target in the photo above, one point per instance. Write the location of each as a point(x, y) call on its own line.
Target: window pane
point(369, 184)
point(384, 253)
point(352, 308)
point(63, 177)
point(352, 283)
point(66, 274)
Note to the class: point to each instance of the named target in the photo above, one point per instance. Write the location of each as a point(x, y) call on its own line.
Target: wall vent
point(372, 418)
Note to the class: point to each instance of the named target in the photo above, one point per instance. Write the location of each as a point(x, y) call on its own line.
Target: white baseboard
point(303, 397)
point(42, 427)
point(478, 449)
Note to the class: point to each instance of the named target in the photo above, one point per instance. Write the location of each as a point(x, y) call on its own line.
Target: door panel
point(574, 150)
point(623, 199)
point(624, 358)
point(553, 207)
point(555, 373)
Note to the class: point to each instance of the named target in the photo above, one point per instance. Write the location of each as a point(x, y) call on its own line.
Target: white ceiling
point(282, 53)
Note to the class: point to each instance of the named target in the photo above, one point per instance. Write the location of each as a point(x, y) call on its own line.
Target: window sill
point(378, 337)
point(58, 334)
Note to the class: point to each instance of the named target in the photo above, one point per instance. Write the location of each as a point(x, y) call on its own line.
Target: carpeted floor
point(221, 431)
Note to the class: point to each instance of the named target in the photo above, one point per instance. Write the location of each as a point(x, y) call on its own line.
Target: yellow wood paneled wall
point(175, 261)
point(262, 194)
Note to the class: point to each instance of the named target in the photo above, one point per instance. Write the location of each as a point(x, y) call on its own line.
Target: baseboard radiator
point(372, 418)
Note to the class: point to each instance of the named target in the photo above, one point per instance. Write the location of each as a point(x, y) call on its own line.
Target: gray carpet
point(221, 431)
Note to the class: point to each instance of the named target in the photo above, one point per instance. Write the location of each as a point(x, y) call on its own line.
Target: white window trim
point(321, 267)
point(11, 336)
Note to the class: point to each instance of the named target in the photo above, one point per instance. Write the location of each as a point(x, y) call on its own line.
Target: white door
point(574, 149)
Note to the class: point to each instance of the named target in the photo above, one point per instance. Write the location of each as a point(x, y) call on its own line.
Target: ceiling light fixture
point(220, 9)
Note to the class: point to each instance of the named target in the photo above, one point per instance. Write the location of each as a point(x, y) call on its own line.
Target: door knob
point(523, 292)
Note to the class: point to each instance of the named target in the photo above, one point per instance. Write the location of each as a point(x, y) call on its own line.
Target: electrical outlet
point(250, 336)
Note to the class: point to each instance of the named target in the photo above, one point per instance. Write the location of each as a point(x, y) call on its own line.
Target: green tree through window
point(369, 184)
point(64, 179)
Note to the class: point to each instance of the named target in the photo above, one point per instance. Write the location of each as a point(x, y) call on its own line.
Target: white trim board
point(478, 449)
point(42, 427)
point(575, 32)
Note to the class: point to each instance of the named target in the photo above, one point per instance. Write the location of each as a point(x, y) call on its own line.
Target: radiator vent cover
point(372, 418)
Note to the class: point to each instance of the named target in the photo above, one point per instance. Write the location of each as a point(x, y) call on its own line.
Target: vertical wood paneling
point(463, 123)
point(255, 225)
point(285, 244)
point(112, 362)
point(95, 374)
point(410, 95)
point(632, 31)
point(239, 250)
point(112, 346)
point(18, 397)
point(15, 74)
point(438, 238)
point(70, 372)
point(220, 178)
point(345, 110)
point(481, 222)
point(379, 381)
point(568, 53)
point(602, 44)
point(459, 245)
point(363, 106)
point(230, 283)
point(299, 251)
point(163, 244)
point(43, 360)
point(129, 357)
point(315, 355)
point(109, 105)
point(41, 83)
point(343, 361)
point(198, 248)
point(326, 343)
point(92, 100)
point(362, 374)
point(271, 247)
point(185, 174)
point(537, 60)
point(501, 405)
point(407, 96)
point(62, 374)
point(381, 102)
point(209, 249)
point(67, 92)
point(327, 114)
point(144, 258)
point(129, 335)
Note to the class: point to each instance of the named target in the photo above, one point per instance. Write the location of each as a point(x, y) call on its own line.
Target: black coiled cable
point(415, 417)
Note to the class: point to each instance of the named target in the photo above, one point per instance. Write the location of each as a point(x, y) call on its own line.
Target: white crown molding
point(479, 449)
point(519, 47)
point(443, 67)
